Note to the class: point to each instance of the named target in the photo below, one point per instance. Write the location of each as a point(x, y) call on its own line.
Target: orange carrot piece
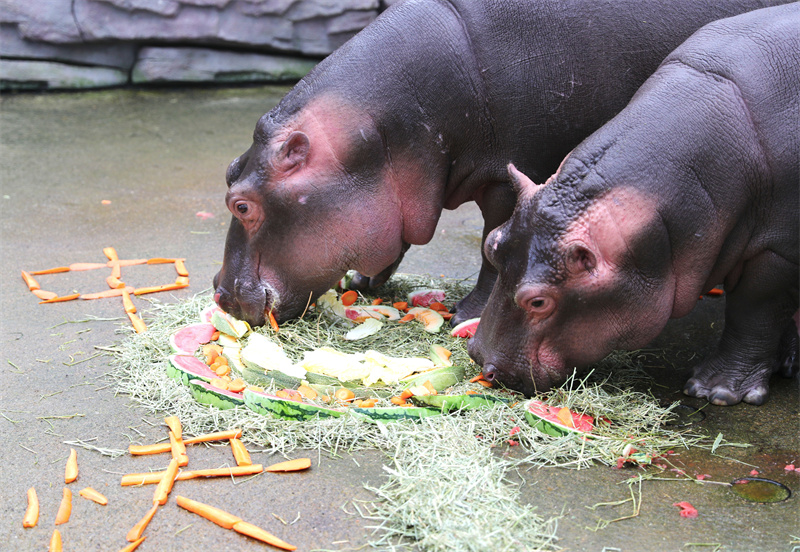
point(32, 512)
point(220, 517)
point(398, 401)
point(406, 394)
point(55, 542)
point(437, 306)
point(138, 323)
point(114, 282)
point(297, 464)
point(44, 295)
point(137, 450)
point(116, 272)
point(349, 297)
point(215, 335)
point(400, 305)
point(90, 494)
point(307, 392)
point(86, 266)
point(407, 318)
point(477, 378)
point(160, 260)
point(106, 294)
point(30, 281)
point(111, 253)
point(240, 453)
point(61, 299)
point(182, 281)
point(485, 383)
point(134, 545)
point(71, 470)
point(259, 534)
point(344, 394)
point(178, 449)
point(715, 292)
point(164, 487)
point(55, 270)
point(136, 479)
point(156, 289)
point(180, 268)
point(126, 262)
point(174, 425)
point(377, 301)
point(65, 508)
point(130, 308)
point(136, 531)
point(272, 321)
point(429, 386)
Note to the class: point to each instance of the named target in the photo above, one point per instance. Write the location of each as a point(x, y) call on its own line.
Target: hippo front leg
point(755, 321)
point(360, 282)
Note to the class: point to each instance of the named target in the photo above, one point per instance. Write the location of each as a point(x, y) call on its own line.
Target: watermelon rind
point(440, 378)
point(267, 404)
point(227, 324)
point(450, 403)
point(393, 413)
point(187, 339)
point(542, 417)
point(207, 312)
point(205, 393)
point(464, 330)
point(184, 368)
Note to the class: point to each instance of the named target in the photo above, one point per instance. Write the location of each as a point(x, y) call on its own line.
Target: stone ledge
point(38, 75)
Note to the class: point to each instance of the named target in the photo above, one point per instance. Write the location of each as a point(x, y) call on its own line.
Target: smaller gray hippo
point(694, 184)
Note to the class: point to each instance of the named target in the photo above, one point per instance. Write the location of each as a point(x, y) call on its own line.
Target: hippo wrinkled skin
point(420, 112)
point(694, 184)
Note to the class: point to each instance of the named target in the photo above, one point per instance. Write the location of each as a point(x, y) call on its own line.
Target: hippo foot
point(725, 386)
point(789, 356)
point(470, 306)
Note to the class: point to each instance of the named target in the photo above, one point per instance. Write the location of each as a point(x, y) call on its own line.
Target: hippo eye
point(242, 208)
point(537, 303)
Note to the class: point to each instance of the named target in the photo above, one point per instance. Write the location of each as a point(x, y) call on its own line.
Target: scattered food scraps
point(204, 215)
point(687, 510)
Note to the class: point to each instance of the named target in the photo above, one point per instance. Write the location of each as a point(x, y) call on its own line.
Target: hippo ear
point(579, 258)
point(523, 185)
point(292, 153)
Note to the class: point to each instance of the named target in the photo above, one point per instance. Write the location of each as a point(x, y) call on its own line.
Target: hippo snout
point(490, 373)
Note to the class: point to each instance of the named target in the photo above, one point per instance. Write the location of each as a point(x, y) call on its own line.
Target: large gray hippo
point(422, 111)
point(695, 183)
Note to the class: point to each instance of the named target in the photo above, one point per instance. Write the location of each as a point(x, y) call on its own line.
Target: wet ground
point(157, 159)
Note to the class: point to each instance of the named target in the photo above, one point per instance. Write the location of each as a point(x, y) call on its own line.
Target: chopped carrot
point(437, 306)
point(44, 295)
point(161, 260)
point(344, 394)
point(429, 386)
point(61, 299)
point(106, 294)
point(223, 370)
point(30, 281)
point(65, 508)
point(32, 512)
point(55, 542)
point(71, 470)
point(218, 516)
point(715, 292)
point(259, 534)
point(398, 401)
point(134, 545)
point(130, 308)
point(138, 323)
point(349, 297)
point(400, 305)
point(211, 351)
point(297, 464)
point(406, 394)
point(111, 253)
point(219, 383)
point(367, 403)
point(138, 450)
point(407, 318)
point(50, 270)
point(477, 378)
point(215, 335)
point(136, 531)
point(237, 386)
point(240, 453)
point(114, 282)
point(446, 315)
point(116, 272)
point(165, 485)
point(182, 281)
point(307, 392)
point(126, 262)
point(136, 479)
point(565, 417)
point(86, 266)
point(174, 424)
point(156, 289)
point(471, 392)
point(272, 321)
point(377, 301)
point(90, 494)
point(178, 449)
point(289, 394)
point(485, 383)
point(180, 268)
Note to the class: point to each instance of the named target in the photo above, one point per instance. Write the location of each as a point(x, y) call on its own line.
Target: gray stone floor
point(159, 157)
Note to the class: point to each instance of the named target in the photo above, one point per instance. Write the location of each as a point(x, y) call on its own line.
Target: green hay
point(445, 471)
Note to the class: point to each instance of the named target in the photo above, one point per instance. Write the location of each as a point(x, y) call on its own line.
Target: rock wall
point(51, 44)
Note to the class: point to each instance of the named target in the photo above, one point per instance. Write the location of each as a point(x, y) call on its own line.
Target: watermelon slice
point(186, 367)
point(208, 312)
point(205, 393)
point(189, 338)
point(265, 403)
point(450, 403)
point(466, 328)
point(424, 297)
point(556, 421)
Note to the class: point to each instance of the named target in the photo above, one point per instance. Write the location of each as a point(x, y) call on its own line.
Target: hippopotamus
point(694, 184)
point(420, 112)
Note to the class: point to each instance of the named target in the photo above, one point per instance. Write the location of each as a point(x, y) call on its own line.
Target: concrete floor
point(159, 157)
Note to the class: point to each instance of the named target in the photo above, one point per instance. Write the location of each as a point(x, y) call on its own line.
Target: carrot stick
point(174, 425)
point(93, 495)
point(55, 542)
point(136, 531)
point(106, 294)
point(220, 517)
point(65, 508)
point(158, 448)
point(30, 281)
point(134, 545)
point(259, 534)
point(50, 270)
point(111, 253)
point(71, 470)
point(165, 485)
point(138, 323)
point(126, 262)
point(86, 266)
point(178, 449)
point(44, 295)
point(180, 268)
point(156, 289)
point(477, 378)
point(160, 260)
point(290, 465)
point(32, 512)
point(407, 318)
point(715, 292)
point(377, 301)
point(61, 299)
point(182, 280)
point(130, 308)
point(240, 453)
point(114, 282)
point(134, 479)
point(116, 272)
point(273, 322)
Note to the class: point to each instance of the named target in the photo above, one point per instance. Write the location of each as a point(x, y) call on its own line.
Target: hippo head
point(309, 202)
point(581, 273)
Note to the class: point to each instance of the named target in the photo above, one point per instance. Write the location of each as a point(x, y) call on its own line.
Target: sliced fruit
point(440, 378)
point(368, 327)
point(394, 413)
point(424, 297)
point(227, 324)
point(184, 368)
point(449, 403)
point(189, 338)
point(263, 354)
point(205, 393)
point(556, 421)
point(466, 328)
point(432, 320)
point(265, 403)
point(440, 356)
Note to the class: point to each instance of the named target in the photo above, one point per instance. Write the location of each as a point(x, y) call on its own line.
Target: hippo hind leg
point(789, 355)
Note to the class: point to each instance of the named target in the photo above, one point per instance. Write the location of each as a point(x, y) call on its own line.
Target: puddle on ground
point(757, 489)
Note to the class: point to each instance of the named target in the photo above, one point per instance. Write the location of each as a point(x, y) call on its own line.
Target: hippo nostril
point(217, 295)
point(490, 372)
